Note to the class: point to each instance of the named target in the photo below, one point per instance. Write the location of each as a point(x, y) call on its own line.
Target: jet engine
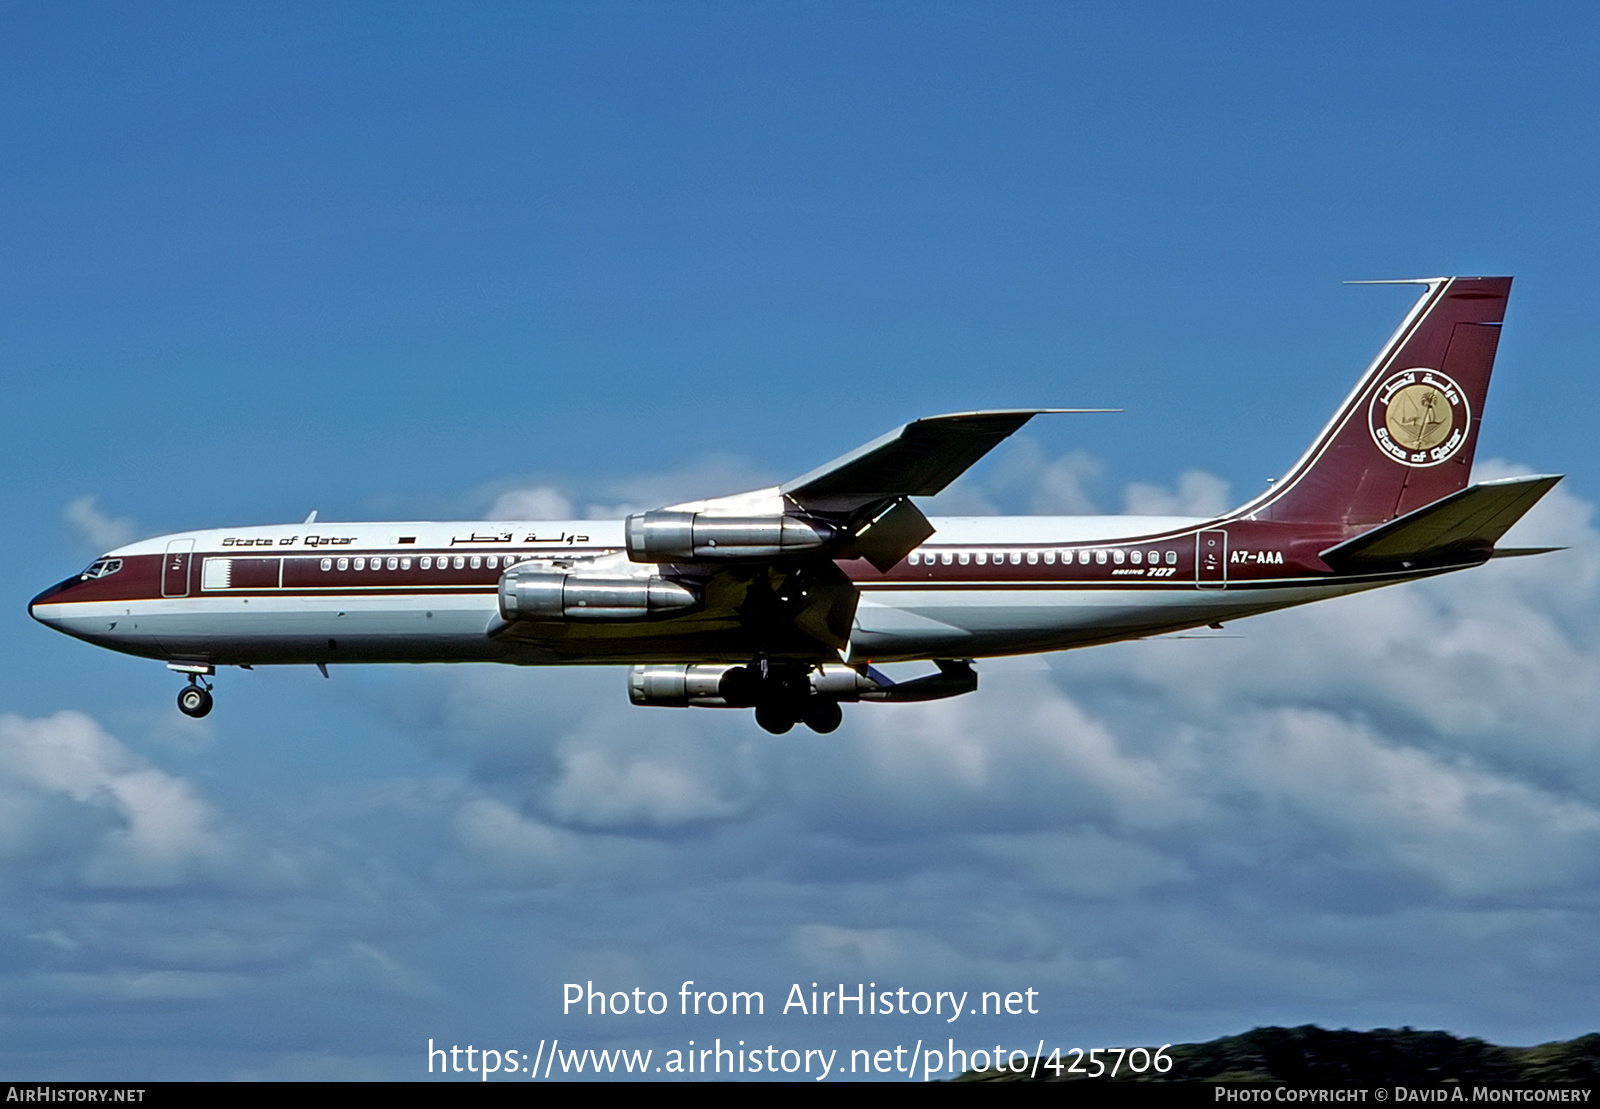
point(707, 685)
point(539, 593)
point(678, 686)
point(713, 686)
point(669, 535)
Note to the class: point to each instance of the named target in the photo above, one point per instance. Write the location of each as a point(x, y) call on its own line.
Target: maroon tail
point(1406, 436)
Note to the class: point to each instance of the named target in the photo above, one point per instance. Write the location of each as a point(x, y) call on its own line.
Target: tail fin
point(1406, 436)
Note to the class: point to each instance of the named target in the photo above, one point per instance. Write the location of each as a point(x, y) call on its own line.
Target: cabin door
point(175, 569)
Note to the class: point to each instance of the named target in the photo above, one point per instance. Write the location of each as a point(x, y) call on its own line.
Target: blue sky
point(420, 262)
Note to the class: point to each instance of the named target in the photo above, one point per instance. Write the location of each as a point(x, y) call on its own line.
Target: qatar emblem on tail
point(782, 599)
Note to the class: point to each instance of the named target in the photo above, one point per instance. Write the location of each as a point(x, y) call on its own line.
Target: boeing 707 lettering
point(784, 599)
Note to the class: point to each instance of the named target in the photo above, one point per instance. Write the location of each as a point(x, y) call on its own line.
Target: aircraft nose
point(42, 608)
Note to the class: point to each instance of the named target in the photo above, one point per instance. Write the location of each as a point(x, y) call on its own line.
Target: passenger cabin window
point(1033, 558)
point(344, 564)
point(327, 564)
point(360, 564)
point(1100, 557)
point(1172, 558)
point(1117, 556)
point(982, 558)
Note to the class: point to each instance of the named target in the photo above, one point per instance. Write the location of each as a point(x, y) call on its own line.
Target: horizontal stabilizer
point(1461, 526)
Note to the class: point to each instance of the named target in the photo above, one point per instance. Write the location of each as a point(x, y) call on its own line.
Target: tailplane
point(1460, 528)
point(1406, 436)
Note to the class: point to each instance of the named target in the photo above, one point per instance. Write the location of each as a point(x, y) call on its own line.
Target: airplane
point(786, 599)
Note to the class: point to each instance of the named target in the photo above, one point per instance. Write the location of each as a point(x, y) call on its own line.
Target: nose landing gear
point(195, 698)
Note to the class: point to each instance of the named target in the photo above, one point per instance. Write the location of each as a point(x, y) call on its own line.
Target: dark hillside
point(1312, 1056)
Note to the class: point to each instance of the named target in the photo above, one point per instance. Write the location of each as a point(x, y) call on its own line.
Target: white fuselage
point(427, 592)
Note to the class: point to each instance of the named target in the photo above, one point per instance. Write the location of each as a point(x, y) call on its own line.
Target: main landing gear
point(820, 714)
point(782, 696)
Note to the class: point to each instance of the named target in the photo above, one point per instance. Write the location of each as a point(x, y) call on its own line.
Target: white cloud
point(709, 476)
point(849, 949)
point(715, 475)
point(612, 774)
point(1087, 863)
point(495, 829)
point(138, 985)
point(1060, 487)
point(1020, 745)
point(162, 831)
point(1198, 494)
point(363, 967)
point(1471, 830)
point(1023, 475)
point(542, 502)
point(97, 530)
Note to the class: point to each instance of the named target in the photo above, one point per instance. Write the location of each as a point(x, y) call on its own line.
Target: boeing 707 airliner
point(783, 599)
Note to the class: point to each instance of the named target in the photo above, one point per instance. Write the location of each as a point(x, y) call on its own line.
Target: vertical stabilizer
point(1406, 436)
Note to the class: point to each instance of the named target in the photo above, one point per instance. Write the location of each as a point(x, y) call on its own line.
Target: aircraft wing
point(765, 559)
point(857, 505)
point(1467, 523)
point(871, 485)
point(915, 460)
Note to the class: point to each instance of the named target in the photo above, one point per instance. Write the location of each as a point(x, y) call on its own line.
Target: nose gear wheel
point(194, 699)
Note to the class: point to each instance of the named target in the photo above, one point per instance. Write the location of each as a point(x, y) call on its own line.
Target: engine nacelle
point(716, 686)
point(678, 686)
point(538, 593)
point(668, 535)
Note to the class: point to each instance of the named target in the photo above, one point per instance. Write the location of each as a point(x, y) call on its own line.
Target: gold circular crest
point(1419, 417)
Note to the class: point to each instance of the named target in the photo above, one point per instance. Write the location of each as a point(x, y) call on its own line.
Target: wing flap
point(892, 534)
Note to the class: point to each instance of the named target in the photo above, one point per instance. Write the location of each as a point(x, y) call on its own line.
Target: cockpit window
point(101, 567)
